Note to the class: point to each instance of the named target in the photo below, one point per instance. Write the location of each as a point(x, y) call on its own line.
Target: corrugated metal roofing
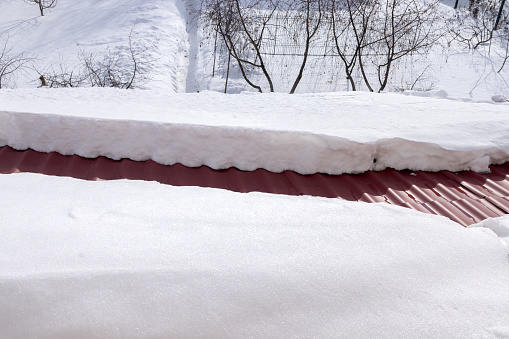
point(465, 197)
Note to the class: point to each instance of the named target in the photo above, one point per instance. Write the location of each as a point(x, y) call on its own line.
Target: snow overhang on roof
point(465, 197)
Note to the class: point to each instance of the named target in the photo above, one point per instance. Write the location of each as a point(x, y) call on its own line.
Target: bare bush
point(475, 25)
point(60, 75)
point(479, 21)
point(114, 70)
point(11, 64)
point(125, 68)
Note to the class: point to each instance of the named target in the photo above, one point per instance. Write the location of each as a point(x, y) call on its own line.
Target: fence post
point(275, 32)
point(227, 73)
point(215, 48)
point(499, 14)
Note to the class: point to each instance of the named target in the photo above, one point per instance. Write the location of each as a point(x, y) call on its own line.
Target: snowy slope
point(143, 260)
point(101, 27)
point(331, 133)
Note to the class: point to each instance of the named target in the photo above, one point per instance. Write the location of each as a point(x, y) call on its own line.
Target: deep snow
point(125, 259)
point(330, 133)
point(181, 56)
point(101, 27)
point(129, 259)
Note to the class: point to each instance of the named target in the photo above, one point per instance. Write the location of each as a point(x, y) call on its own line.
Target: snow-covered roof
point(138, 259)
point(465, 197)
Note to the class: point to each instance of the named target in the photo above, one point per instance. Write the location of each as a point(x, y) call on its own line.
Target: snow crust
point(129, 259)
point(330, 133)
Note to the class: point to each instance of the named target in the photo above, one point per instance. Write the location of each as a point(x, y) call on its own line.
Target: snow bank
point(328, 133)
point(139, 259)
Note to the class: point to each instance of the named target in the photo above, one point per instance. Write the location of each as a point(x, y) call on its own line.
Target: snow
point(500, 226)
point(330, 133)
point(101, 27)
point(139, 259)
point(131, 259)
point(341, 132)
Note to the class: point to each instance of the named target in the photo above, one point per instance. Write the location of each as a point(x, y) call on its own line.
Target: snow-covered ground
point(130, 259)
point(100, 27)
point(125, 259)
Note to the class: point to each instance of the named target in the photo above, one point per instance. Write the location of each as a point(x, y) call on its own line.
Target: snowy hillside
point(180, 57)
point(102, 28)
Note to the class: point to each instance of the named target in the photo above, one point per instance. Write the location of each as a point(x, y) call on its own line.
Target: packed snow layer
point(127, 259)
point(329, 133)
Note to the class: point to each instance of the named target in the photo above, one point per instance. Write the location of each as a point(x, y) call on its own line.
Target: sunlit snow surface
point(331, 133)
point(127, 259)
point(138, 259)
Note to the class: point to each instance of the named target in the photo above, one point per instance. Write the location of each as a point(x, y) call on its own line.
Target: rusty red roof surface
point(465, 197)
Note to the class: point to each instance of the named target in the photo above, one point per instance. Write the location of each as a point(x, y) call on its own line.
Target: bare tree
point(350, 22)
point(403, 28)
point(366, 34)
point(241, 26)
point(42, 4)
point(11, 64)
point(310, 14)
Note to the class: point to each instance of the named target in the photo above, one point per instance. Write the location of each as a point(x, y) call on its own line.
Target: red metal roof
point(465, 197)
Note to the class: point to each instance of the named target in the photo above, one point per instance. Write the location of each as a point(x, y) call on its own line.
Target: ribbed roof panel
point(465, 197)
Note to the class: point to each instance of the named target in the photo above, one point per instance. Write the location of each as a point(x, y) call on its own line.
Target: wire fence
point(283, 49)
